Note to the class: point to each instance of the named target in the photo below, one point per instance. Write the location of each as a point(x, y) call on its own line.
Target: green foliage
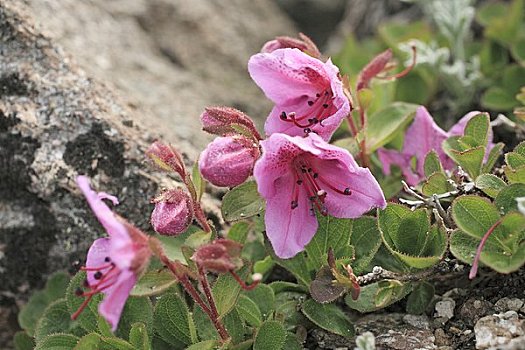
point(420, 298)
point(152, 283)
point(271, 336)
point(504, 248)
point(57, 342)
point(32, 311)
point(173, 321)
point(410, 237)
point(329, 317)
point(468, 151)
point(242, 202)
point(378, 295)
point(384, 124)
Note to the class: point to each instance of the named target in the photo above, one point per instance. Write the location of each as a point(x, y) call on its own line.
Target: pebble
point(508, 304)
point(498, 329)
point(445, 309)
point(417, 321)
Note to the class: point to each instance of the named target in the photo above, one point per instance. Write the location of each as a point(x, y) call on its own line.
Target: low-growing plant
point(316, 209)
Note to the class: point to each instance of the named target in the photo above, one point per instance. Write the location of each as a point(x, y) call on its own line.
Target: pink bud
point(304, 43)
point(166, 158)
point(228, 161)
point(173, 212)
point(227, 121)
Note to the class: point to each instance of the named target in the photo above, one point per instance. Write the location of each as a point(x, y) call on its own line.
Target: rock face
point(64, 67)
point(171, 58)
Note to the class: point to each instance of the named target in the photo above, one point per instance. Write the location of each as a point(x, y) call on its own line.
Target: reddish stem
point(190, 289)
point(242, 283)
point(475, 263)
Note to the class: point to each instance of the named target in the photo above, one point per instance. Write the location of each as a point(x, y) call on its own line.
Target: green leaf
point(31, 312)
point(22, 341)
point(518, 50)
point(232, 322)
point(516, 175)
point(437, 183)
point(506, 198)
point(409, 236)
point(264, 297)
point(287, 309)
point(490, 184)
point(329, 317)
point(291, 342)
point(152, 283)
point(271, 336)
point(235, 326)
point(138, 336)
point(226, 291)
point(90, 341)
point(474, 215)
point(420, 298)
point(514, 160)
point(55, 319)
point(282, 286)
point(492, 158)
point(389, 292)
point(112, 343)
point(264, 266)
point(172, 320)
point(104, 328)
point(469, 158)
point(504, 27)
point(504, 250)
point(432, 164)
point(198, 181)
point(384, 124)
point(366, 240)
point(172, 245)
point(497, 98)
point(242, 202)
point(57, 342)
point(137, 309)
point(332, 233)
point(239, 231)
point(249, 311)
point(204, 345)
point(478, 128)
point(297, 265)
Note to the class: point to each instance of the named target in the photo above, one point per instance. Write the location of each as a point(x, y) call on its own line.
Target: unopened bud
point(166, 158)
point(304, 43)
point(228, 161)
point(227, 121)
point(218, 256)
point(173, 212)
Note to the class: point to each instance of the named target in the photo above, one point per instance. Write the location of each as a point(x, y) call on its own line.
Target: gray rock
point(473, 309)
point(417, 321)
point(445, 309)
point(508, 304)
point(498, 329)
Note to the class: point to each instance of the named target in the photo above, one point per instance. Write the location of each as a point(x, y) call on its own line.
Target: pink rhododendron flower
point(228, 161)
point(173, 212)
point(308, 94)
point(297, 175)
point(423, 136)
point(113, 264)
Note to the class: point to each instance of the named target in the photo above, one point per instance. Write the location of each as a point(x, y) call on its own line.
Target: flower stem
point(213, 308)
point(475, 263)
point(211, 311)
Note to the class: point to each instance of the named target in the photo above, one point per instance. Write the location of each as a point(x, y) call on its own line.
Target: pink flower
point(296, 175)
point(228, 161)
point(423, 136)
point(173, 212)
point(114, 263)
point(308, 94)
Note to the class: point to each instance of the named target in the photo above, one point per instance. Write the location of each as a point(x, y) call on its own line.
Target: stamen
point(294, 204)
point(284, 116)
point(98, 275)
point(310, 103)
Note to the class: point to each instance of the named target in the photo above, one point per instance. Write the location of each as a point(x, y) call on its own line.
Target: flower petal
point(285, 74)
point(423, 136)
point(104, 215)
point(113, 304)
point(389, 157)
point(278, 152)
point(96, 257)
point(289, 230)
